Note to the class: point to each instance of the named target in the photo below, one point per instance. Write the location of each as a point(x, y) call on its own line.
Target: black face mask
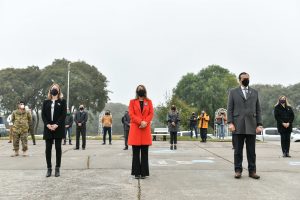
point(173, 108)
point(54, 92)
point(141, 93)
point(81, 108)
point(282, 101)
point(245, 82)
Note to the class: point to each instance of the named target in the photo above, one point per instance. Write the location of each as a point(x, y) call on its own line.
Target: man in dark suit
point(126, 126)
point(244, 119)
point(81, 118)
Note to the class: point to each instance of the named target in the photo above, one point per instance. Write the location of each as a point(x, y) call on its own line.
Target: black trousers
point(105, 130)
point(250, 140)
point(140, 164)
point(285, 142)
point(80, 130)
point(203, 133)
point(126, 133)
point(233, 140)
point(49, 144)
point(173, 137)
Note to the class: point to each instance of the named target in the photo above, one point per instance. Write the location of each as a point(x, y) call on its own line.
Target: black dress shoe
point(287, 155)
point(254, 175)
point(76, 148)
point(175, 147)
point(238, 175)
point(57, 173)
point(103, 143)
point(171, 147)
point(49, 172)
point(126, 148)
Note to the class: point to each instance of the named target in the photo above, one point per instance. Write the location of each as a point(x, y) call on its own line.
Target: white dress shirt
point(52, 109)
point(245, 91)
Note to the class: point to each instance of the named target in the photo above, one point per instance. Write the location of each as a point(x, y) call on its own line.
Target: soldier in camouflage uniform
point(21, 120)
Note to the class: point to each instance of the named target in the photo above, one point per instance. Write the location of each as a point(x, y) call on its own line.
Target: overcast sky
point(155, 42)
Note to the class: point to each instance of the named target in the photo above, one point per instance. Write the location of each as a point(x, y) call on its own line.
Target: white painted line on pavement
point(295, 163)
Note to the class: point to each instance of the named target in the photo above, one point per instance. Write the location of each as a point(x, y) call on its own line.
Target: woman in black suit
point(53, 115)
point(284, 116)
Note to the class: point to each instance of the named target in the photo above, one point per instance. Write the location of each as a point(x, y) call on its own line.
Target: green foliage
point(183, 108)
point(18, 84)
point(117, 110)
point(269, 94)
point(31, 84)
point(87, 84)
point(207, 90)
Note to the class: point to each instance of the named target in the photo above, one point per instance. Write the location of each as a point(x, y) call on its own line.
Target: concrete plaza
point(194, 171)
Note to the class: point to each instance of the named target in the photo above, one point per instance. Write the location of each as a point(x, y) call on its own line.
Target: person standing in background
point(107, 125)
point(81, 118)
point(126, 126)
point(284, 116)
point(68, 127)
point(32, 125)
point(21, 120)
point(221, 120)
point(193, 125)
point(203, 125)
point(173, 125)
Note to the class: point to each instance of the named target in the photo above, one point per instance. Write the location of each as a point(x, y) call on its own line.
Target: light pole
point(68, 89)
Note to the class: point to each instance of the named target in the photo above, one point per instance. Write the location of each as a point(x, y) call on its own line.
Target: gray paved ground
point(194, 171)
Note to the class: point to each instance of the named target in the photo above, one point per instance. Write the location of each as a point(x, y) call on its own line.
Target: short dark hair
point(21, 101)
point(243, 73)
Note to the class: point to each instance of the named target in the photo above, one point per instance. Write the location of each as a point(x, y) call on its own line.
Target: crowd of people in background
point(200, 122)
point(242, 117)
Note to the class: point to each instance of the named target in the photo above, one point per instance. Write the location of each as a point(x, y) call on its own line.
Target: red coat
point(140, 136)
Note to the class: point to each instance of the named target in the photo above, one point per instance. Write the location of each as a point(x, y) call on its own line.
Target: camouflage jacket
point(21, 121)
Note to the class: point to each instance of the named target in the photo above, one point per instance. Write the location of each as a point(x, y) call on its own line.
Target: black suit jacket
point(284, 115)
point(59, 116)
point(244, 113)
point(81, 118)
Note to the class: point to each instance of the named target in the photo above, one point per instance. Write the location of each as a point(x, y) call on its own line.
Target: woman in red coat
point(141, 114)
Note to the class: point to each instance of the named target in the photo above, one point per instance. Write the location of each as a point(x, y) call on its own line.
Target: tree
point(183, 108)
point(207, 90)
point(18, 84)
point(31, 84)
point(269, 94)
point(117, 110)
point(87, 84)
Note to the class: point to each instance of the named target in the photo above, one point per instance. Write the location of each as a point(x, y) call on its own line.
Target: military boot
point(15, 154)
